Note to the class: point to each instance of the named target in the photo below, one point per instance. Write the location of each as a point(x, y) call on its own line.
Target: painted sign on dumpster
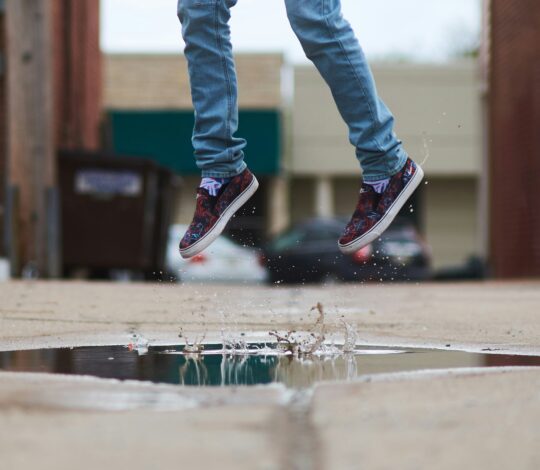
point(108, 183)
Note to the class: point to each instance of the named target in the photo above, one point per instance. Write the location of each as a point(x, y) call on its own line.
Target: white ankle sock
point(380, 185)
point(213, 185)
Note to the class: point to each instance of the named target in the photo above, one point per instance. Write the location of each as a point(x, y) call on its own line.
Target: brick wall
point(134, 81)
point(514, 123)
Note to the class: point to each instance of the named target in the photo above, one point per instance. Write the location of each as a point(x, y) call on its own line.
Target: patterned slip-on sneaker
point(204, 221)
point(363, 220)
point(213, 213)
point(401, 187)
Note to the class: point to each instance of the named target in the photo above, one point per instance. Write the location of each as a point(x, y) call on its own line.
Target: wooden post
point(514, 139)
point(3, 175)
point(31, 155)
point(77, 70)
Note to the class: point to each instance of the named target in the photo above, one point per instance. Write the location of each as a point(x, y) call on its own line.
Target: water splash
point(234, 345)
point(139, 343)
point(351, 337)
point(425, 146)
point(201, 372)
point(192, 347)
point(300, 343)
point(30, 271)
point(314, 341)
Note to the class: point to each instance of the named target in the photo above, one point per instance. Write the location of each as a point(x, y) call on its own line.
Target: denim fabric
point(328, 41)
point(212, 74)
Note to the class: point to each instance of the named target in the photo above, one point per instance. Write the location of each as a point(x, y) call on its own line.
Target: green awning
point(165, 137)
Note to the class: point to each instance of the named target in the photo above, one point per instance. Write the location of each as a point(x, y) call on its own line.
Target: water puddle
point(252, 364)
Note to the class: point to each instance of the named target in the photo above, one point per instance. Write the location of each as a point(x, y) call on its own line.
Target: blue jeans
point(328, 41)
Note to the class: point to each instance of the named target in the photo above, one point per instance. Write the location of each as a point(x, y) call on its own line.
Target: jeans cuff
point(224, 174)
point(399, 162)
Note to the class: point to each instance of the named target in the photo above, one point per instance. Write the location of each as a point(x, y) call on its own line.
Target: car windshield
point(400, 235)
point(322, 233)
point(288, 240)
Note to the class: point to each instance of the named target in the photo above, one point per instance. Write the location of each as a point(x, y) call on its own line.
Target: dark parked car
point(309, 252)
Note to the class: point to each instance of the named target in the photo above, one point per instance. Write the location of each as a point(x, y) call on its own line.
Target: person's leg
point(390, 177)
point(227, 184)
point(208, 50)
point(329, 42)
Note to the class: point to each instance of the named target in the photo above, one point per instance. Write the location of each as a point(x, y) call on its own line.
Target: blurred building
point(149, 114)
point(476, 134)
point(438, 117)
point(313, 171)
point(50, 82)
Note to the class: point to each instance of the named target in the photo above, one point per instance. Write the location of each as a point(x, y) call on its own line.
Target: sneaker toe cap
point(189, 239)
point(355, 229)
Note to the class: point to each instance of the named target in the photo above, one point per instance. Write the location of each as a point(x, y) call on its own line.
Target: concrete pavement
point(468, 419)
point(473, 316)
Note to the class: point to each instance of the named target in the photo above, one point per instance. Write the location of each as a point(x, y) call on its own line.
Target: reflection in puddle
point(163, 365)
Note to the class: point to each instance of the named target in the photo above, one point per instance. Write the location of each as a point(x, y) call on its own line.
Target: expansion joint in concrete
point(302, 447)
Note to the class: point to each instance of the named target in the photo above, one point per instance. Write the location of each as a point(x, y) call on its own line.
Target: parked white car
point(223, 261)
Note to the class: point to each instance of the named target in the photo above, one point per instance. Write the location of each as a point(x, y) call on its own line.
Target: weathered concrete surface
point(227, 438)
point(421, 421)
point(407, 421)
point(63, 423)
point(496, 315)
point(62, 392)
point(54, 435)
point(446, 422)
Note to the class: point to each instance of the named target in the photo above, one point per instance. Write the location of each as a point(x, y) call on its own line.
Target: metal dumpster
point(115, 212)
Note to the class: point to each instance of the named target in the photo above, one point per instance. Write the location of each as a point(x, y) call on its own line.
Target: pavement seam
point(303, 449)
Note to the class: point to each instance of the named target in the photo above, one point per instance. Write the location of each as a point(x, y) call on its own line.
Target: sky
point(418, 30)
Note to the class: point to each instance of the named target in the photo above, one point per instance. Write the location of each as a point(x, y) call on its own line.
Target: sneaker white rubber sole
point(379, 228)
point(204, 242)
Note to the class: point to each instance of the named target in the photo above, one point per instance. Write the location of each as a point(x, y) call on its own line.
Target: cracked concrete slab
point(61, 422)
point(433, 420)
point(411, 421)
point(232, 437)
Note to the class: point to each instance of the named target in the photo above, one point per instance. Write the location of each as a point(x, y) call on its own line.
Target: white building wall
point(451, 219)
point(438, 117)
point(437, 111)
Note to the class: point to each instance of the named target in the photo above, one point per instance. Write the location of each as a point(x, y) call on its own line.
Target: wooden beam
point(31, 155)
